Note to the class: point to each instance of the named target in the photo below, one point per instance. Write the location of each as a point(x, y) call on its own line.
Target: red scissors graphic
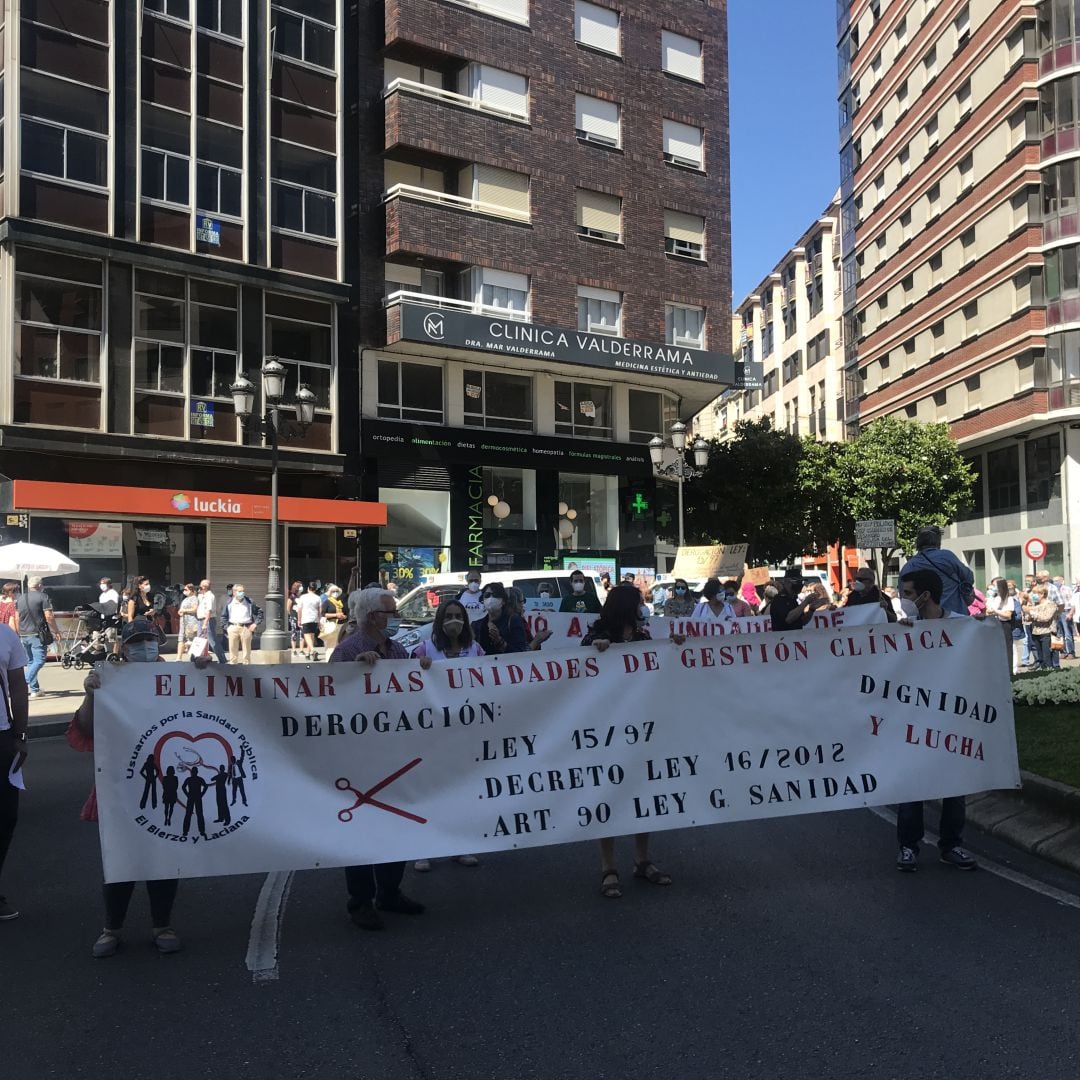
point(363, 797)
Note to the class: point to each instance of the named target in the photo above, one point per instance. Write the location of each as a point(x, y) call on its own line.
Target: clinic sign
point(512, 337)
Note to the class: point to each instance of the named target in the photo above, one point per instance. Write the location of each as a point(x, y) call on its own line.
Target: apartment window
point(963, 98)
point(684, 234)
point(684, 325)
point(906, 230)
point(967, 244)
point(599, 215)
point(58, 328)
point(218, 170)
point(932, 133)
point(222, 17)
point(933, 199)
point(650, 414)
point(936, 276)
point(63, 152)
point(599, 311)
point(597, 27)
point(597, 121)
point(681, 56)
point(583, 409)
point(213, 359)
point(683, 145)
point(962, 22)
point(306, 34)
point(496, 191)
point(875, 67)
point(1003, 479)
point(502, 90)
point(160, 336)
point(967, 173)
point(879, 127)
point(166, 155)
point(901, 33)
point(498, 399)
point(930, 63)
point(902, 95)
point(177, 9)
point(300, 333)
point(1042, 467)
point(498, 292)
point(767, 339)
point(302, 189)
point(514, 10)
point(904, 158)
point(970, 315)
point(410, 391)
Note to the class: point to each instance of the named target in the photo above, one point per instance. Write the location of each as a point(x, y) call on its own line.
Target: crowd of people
point(489, 619)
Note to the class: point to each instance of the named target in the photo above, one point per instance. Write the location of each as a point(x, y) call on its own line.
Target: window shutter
point(596, 26)
point(500, 187)
point(238, 551)
point(501, 89)
point(399, 172)
point(598, 118)
point(688, 227)
point(681, 55)
point(397, 274)
point(600, 212)
point(518, 10)
point(682, 141)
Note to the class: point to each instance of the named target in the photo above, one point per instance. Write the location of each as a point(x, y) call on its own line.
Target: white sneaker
point(34, 694)
point(422, 866)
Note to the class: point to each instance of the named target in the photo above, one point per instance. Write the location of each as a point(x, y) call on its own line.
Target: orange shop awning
point(82, 499)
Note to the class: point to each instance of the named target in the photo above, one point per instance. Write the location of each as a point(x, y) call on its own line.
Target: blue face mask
point(680, 590)
point(140, 652)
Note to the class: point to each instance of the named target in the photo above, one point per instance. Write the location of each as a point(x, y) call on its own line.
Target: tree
point(828, 516)
point(910, 472)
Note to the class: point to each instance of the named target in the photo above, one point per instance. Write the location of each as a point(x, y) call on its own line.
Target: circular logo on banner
point(180, 501)
point(1035, 549)
point(434, 326)
point(191, 780)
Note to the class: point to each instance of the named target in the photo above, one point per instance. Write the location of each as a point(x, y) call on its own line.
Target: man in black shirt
point(864, 590)
point(580, 601)
point(787, 610)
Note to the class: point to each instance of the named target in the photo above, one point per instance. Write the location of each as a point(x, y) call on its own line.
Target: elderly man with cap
point(374, 888)
point(957, 580)
point(864, 590)
point(791, 609)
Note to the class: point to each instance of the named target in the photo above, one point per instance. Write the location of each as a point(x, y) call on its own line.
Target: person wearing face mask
point(500, 630)
point(1043, 613)
point(189, 622)
point(333, 617)
point(681, 603)
point(581, 601)
point(374, 887)
point(714, 603)
point(140, 643)
point(864, 590)
point(546, 594)
point(731, 596)
point(921, 595)
point(109, 595)
point(241, 618)
point(308, 612)
point(140, 605)
point(471, 598)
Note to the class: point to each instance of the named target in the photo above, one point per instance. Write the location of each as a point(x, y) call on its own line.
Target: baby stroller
point(92, 640)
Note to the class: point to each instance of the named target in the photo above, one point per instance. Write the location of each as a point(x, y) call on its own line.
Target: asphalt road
point(785, 950)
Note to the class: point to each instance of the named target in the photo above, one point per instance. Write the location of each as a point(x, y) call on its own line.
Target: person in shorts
point(308, 613)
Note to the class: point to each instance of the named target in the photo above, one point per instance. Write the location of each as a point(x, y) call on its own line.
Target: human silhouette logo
point(201, 779)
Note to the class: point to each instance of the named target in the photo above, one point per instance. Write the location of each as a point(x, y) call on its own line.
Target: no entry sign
point(1035, 549)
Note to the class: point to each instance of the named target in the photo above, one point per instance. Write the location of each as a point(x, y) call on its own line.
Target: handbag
point(45, 635)
point(200, 646)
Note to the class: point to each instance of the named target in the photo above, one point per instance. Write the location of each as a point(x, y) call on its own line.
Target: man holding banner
point(923, 589)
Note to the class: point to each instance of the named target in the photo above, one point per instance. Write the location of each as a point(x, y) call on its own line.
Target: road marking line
point(265, 937)
point(1025, 882)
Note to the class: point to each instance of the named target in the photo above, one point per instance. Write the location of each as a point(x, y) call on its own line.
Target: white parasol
point(34, 560)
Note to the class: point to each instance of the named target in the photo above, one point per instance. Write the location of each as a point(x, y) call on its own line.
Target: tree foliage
point(785, 497)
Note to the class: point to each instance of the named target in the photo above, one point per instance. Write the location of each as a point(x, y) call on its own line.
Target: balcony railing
point(404, 296)
point(789, 292)
point(455, 202)
point(408, 86)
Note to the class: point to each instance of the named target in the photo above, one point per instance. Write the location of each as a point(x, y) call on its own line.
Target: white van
point(416, 609)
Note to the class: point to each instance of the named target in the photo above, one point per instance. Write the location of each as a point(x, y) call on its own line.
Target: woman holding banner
point(619, 622)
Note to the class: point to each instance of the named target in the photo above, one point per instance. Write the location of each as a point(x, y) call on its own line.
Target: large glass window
point(219, 171)
point(304, 31)
point(516, 488)
point(166, 155)
point(651, 414)
point(213, 360)
point(497, 399)
point(160, 334)
point(303, 189)
point(409, 391)
point(222, 17)
point(583, 409)
point(599, 311)
point(497, 292)
point(58, 325)
point(300, 334)
point(685, 326)
point(1042, 469)
point(594, 499)
point(1003, 479)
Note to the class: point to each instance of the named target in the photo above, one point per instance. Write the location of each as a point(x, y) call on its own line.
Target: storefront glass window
point(410, 391)
point(1054, 563)
point(312, 555)
point(651, 414)
point(517, 489)
point(300, 334)
point(415, 518)
point(583, 409)
point(594, 501)
point(58, 305)
point(1009, 564)
point(497, 399)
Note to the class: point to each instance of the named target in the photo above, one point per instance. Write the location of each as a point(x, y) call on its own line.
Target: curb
point(47, 729)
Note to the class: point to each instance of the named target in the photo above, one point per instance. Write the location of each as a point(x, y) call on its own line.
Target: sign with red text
point(348, 763)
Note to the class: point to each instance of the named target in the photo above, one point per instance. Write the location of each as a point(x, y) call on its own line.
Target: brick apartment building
point(492, 238)
point(959, 232)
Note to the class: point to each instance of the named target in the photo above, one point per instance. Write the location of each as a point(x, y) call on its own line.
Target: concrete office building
point(958, 159)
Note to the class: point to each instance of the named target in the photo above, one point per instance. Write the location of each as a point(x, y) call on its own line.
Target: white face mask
point(140, 652)
point(578, 586)
point(493, 605)
point(909, 608)
point(545, 595)
point(453, 627)
point(474, 586)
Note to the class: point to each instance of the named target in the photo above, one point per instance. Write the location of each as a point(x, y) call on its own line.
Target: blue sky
point(785, 164)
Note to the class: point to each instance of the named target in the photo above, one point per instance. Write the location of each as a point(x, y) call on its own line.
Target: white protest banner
point(714, 560)
point(345, 763)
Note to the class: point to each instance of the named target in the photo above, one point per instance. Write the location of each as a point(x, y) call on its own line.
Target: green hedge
point(1061, 687)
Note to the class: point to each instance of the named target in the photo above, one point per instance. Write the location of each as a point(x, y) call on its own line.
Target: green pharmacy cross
point(639, 505)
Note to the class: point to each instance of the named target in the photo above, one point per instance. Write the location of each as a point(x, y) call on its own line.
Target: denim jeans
point(1030, 655)
point(1065, 628)
point(909, 823)
point(1043, 653)
point(35, 659)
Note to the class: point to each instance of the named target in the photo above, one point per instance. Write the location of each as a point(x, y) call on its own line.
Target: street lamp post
point(275, 637)
point(679, 468)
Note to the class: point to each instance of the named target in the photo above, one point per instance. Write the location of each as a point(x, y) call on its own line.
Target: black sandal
point(609, 885)
point(649, 872)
